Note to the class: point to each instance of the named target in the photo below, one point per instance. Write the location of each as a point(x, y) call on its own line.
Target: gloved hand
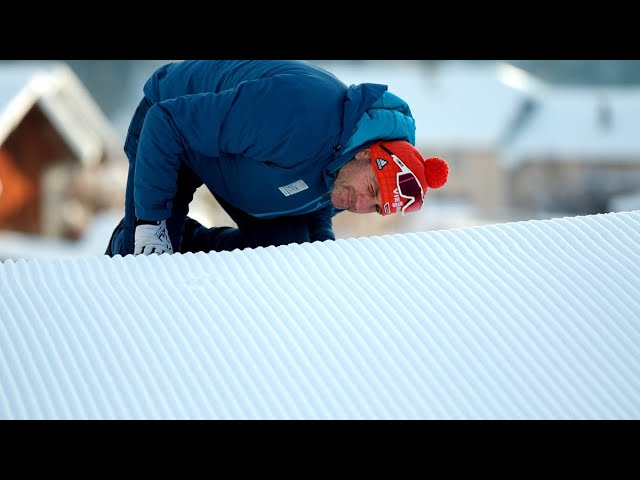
point(152, 237)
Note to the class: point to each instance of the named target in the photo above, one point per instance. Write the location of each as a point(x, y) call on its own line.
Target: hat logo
point(381, 163)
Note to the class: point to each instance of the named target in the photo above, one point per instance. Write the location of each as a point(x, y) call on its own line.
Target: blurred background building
point(524, 140)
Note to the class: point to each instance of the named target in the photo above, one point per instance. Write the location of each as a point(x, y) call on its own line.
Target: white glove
point(152, 238)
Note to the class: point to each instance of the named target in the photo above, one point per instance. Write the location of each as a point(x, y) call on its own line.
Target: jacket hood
point(371, 113)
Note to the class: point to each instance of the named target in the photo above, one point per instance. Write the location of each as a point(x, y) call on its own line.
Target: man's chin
point(335, 205)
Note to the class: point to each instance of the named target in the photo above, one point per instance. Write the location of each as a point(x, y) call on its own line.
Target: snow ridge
point(524, 320)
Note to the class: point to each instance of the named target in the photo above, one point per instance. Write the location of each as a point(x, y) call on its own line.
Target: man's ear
point(366, 153)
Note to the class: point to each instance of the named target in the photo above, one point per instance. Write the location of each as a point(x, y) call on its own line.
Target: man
point(282, 145)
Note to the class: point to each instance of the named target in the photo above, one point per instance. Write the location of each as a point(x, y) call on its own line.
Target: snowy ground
point(526, 320)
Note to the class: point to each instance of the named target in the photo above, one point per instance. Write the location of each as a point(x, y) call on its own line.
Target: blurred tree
point(106, 79)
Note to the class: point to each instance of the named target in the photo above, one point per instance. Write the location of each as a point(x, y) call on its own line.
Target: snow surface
point(525, 320)
point(17, 245)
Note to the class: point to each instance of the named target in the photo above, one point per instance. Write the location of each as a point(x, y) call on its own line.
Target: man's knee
point(281, 231)
point(197, 238)
point(114, 246)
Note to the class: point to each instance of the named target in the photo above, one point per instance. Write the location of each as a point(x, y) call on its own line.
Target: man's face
point(356, 186)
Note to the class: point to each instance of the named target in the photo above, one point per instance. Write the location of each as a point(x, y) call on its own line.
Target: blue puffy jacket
point(268, 136)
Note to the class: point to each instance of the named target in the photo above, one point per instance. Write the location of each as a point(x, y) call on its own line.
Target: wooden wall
point(25, 155)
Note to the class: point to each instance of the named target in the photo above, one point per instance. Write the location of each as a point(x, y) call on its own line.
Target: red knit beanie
point(398, 188)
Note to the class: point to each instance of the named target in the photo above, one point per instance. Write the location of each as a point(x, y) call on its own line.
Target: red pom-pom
point(437, 171)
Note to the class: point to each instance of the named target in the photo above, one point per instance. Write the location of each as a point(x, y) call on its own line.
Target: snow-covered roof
point(65, 101)
point(581, 124)
point(455, 104)
point(523, 320)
